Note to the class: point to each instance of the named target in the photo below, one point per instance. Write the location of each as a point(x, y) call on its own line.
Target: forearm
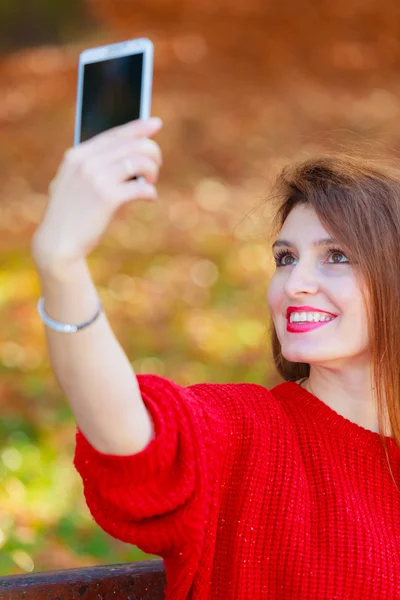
point(91, 367)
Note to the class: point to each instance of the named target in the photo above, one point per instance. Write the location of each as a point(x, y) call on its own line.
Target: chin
point(302, 355)
point(299, 357)
point(314, 358)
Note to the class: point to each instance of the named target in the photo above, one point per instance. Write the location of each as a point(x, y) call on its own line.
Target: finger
point(94, 163)
point(133, 190)
point(139, 128)
point(118, 151)
point(132, 166)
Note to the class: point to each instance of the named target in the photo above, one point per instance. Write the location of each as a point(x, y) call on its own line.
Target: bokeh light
point(243, 88)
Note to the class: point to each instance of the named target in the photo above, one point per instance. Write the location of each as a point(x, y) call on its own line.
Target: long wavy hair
point(358, 203)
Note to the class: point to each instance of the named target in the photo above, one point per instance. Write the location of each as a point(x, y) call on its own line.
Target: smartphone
point(114, 86)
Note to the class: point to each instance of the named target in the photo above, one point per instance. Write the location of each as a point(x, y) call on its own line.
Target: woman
point(245, 492)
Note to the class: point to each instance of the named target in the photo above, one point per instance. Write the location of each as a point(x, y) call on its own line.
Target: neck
point(350, 395)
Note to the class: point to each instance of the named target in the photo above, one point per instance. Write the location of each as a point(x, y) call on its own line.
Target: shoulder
point(238, 404)
point(245, 402)
point(257, 424)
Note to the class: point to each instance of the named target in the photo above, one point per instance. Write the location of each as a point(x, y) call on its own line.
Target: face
point(322, 278)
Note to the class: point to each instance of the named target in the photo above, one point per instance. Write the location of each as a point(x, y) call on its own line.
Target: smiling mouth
point(310, 317)
point(305, 326)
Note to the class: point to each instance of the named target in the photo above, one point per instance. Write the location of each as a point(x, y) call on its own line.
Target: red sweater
point(251, 494)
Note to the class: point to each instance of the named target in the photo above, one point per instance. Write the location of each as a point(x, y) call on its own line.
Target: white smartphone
point(114, 86)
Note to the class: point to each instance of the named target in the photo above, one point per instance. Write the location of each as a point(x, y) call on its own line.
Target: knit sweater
point(249, 493)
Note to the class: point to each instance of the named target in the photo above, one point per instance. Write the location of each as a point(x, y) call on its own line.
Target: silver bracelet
point(64, 327)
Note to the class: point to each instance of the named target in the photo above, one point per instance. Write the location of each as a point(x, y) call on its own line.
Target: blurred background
point(243, 88)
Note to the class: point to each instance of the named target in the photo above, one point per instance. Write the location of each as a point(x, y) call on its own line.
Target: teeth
point(313, 317)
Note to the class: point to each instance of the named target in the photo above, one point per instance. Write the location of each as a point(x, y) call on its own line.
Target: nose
point(302, 279)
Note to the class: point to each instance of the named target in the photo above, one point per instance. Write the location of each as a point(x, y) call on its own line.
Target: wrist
point(69, 296)
point(56, 270)
point(51, 262)
point(65, 327)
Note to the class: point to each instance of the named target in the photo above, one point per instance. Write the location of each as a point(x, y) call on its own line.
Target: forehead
point(302, 223)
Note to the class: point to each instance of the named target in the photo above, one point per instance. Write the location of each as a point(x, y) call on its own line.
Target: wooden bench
point(130, 581)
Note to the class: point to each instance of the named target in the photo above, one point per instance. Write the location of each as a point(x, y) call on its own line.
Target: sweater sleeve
point(159, 498)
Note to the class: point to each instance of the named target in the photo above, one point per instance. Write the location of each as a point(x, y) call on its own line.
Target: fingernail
point(156, 121)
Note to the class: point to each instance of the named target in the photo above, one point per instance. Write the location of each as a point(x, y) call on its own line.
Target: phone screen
point(111, 94)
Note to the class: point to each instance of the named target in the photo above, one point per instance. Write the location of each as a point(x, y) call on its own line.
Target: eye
point(335, 252)
point(279, 256)
point(332, 252)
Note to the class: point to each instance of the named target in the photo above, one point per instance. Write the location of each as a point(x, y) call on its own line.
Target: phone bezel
point(110, 51)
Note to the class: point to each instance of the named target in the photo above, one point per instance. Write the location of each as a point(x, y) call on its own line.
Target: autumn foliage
point(242, 88)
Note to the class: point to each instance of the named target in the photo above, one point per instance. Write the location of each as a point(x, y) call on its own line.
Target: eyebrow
point(315, 244)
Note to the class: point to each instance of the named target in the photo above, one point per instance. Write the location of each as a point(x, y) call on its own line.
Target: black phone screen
point(111, 94)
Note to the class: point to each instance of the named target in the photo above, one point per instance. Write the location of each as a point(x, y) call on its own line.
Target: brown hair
point(358, 203)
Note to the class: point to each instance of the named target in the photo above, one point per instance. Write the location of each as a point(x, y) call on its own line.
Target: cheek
point(350, 301)
point(356, 319)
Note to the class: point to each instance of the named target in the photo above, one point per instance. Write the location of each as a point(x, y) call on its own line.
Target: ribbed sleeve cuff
point(162, 398)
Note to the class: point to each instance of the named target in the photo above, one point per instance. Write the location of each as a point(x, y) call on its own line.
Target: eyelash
point(282, 253)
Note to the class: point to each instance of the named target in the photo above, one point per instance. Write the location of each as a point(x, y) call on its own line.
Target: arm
point(92, 369)
point(165, 498)
point(146, 448)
